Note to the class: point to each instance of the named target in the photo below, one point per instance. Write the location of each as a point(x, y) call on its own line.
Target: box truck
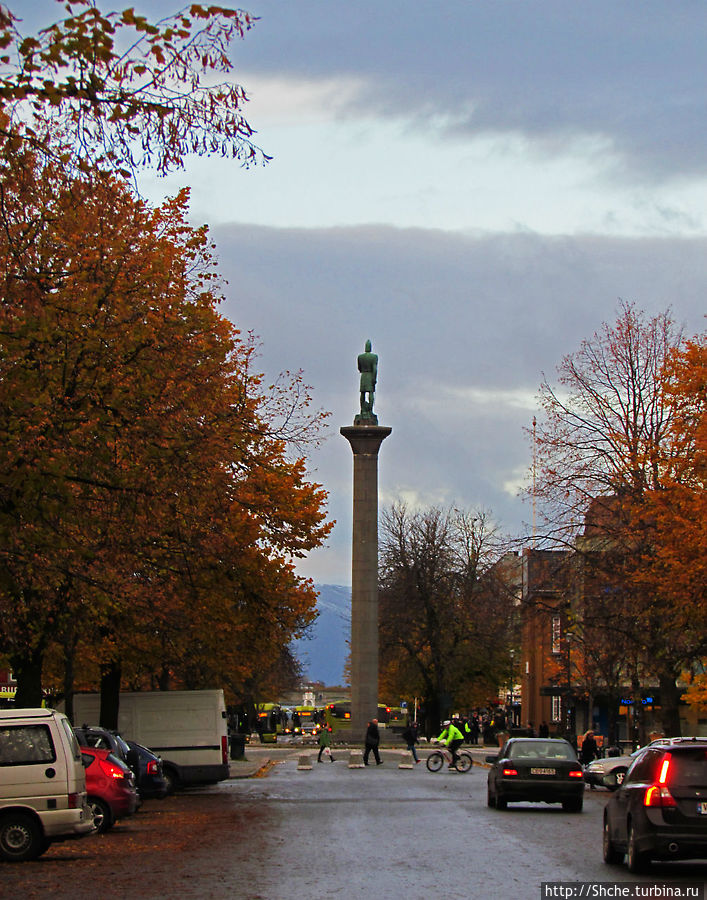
point(188, 729)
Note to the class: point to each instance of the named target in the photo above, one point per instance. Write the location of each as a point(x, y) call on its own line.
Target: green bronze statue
point(368, 367)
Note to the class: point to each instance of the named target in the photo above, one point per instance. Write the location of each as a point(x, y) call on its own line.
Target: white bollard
point(305, 763)
point(406, 760)
point(356, 759)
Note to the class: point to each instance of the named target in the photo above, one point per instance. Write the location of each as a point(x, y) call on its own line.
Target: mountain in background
point(324, 652)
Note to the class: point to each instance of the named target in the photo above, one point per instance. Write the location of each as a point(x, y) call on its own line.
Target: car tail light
point(224, 749)
point(152, 767)
point(659, 795)
point(506, 772)
point(74, 801)
point(110, 769)
point(576, 773)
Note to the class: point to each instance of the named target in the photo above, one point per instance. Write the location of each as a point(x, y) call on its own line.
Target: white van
point(42, 783)
point(188, 729)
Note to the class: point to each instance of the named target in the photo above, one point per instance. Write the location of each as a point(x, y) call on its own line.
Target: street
point(359, 833)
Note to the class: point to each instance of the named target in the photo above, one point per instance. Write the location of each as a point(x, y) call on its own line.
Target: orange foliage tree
point(677, 515)
point(603, 445)
point(149, 509)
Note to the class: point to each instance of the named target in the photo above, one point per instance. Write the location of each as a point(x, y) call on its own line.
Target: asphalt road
point(386, 832)
point(334, 832)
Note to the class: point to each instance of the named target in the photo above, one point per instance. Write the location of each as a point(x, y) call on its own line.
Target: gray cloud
point(552, 70)
point(464, 327)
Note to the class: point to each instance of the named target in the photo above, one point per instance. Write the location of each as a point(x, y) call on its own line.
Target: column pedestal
point(365, 443)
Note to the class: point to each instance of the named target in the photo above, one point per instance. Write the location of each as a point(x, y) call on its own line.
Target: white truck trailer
point(188, 729)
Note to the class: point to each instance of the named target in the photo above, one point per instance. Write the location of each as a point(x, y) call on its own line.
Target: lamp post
point(569, 709)
point(511, 710)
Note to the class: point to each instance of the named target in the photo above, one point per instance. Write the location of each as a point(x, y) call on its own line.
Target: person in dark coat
point(409, 735)
point(372, 740)
point(588, 750)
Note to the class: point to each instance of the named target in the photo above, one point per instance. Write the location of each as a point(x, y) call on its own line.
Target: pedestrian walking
point(588, 750)
point(325, 743)
point(372, 740)
point(409, 735)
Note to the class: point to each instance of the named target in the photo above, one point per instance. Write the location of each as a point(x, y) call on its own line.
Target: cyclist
point(452, 737)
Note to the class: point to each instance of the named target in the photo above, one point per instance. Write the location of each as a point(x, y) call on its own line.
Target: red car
point(110, 786)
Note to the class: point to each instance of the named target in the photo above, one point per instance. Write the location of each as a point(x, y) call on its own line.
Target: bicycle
point(436, 760)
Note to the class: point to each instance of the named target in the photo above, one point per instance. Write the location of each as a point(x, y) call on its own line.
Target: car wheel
point(617, 778)
point(636, 860)
point(612, 856)
point(102, 818)
point(575, 805)
point(501, 803)
point(21, 838)
point(490, 799)
point(172, 779)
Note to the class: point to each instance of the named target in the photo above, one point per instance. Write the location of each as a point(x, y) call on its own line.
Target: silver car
point(609, 772)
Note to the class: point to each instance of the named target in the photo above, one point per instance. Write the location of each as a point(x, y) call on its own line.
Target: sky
point(475, 187)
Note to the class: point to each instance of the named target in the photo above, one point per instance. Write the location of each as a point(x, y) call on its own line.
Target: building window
point(556, 634)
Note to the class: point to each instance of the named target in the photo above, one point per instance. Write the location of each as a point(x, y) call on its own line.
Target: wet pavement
point(277, 829)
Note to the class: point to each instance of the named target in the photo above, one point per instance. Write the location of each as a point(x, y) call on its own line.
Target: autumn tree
point(675, 565)
point(148, 501)
point(604, 441)
point(441, 637)
point(122, 91)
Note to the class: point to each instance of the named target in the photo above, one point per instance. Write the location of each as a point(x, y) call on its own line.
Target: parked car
point(110, 785)
point(42, 783)
point(150, 778)
point(103, 739)
point(660, 810)
point(539, 770)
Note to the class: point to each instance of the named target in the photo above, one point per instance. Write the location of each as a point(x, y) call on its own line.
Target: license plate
point(540, 771)
point(702, 808)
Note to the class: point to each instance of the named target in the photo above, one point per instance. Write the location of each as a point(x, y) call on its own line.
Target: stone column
point(365, 442)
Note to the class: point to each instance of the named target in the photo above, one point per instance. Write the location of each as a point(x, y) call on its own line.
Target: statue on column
point(368, 367)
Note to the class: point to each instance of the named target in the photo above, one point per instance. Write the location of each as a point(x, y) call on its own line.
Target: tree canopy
point(444, 633)
point(153, 493)
point(123, 91)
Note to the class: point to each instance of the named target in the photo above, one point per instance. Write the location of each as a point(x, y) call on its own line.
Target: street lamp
point(569, 709)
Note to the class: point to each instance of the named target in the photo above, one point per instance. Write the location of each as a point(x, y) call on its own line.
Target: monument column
point(365, 438)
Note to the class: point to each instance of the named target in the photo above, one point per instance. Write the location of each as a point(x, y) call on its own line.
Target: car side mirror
point(491, 759)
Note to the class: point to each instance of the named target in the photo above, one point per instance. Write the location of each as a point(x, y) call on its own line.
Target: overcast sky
point(472, 185)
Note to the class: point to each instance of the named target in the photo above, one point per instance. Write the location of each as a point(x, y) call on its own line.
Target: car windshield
point(540, 750)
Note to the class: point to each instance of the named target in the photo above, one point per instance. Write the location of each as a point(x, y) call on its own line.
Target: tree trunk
point(670, 695)
point(27, 670)
point(110, 694)
point(69, 660)
point(613, 720)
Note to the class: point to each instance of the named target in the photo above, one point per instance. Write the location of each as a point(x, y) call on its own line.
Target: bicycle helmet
point(446, 722)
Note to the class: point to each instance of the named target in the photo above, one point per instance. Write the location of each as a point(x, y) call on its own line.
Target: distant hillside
point(323, 654)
